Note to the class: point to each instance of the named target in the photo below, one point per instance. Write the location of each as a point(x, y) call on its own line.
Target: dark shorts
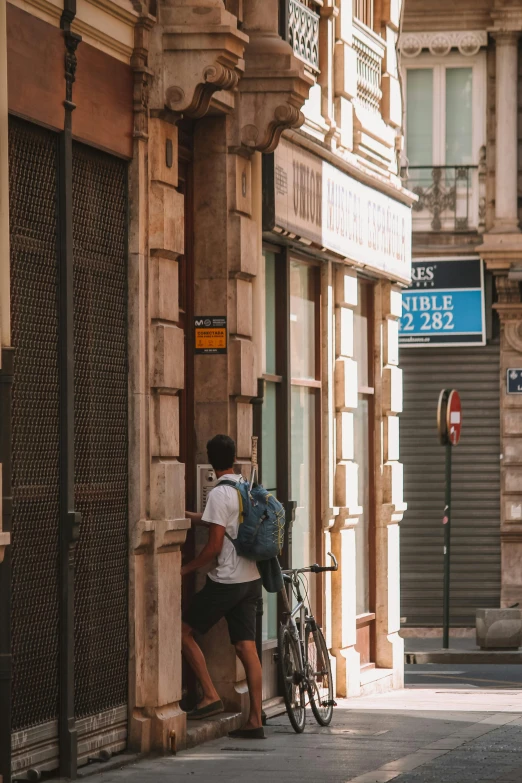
point(235, 602)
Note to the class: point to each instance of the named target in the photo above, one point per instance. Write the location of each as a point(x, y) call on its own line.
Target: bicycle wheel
point(319, 675)
point(291, 678)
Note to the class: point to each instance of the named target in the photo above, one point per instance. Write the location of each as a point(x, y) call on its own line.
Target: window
point(439, 116)
point(305, 412)
point(290, 410)
point(364, 457)
point(445, 133)
point(363, 11)
point(268, 465)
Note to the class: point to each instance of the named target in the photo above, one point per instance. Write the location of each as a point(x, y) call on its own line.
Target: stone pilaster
point(391, 103)
point(390, 504)
point(506, 172)
point(346, 500)
point(345, 75)
point(509, 309)
point(156, 487)
point(226, 258)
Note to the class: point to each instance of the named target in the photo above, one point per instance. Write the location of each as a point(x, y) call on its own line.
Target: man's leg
point(247, 654)
point(196, 661)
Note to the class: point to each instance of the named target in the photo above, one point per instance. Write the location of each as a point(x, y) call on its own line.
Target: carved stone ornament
point(513, 334)
point(508, 290)
point(202, 53)
point(468, 42)
point(272, 91)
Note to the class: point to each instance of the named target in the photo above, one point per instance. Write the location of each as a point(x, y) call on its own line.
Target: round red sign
point(454, 417)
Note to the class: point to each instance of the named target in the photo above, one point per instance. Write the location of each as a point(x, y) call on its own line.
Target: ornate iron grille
point(369, 67)
point(100, 390)
point(445, 195)
point(302, 32)
point(35, 423)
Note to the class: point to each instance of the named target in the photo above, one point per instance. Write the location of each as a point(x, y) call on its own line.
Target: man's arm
point(196, 518)
point(211, 550)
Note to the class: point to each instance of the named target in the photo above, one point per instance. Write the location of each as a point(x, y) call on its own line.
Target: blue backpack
point(261, 528)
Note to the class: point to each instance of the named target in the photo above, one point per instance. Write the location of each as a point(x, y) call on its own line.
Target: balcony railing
point(450, 197)
point(302, 31)
point(370, 49)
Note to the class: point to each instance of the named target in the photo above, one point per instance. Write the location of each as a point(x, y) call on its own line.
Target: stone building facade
point(140, 198)
point(469, 209)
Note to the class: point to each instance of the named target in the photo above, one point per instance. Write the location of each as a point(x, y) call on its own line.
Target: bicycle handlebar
point(314, 569)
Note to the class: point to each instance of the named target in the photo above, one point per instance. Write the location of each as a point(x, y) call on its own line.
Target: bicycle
point(302, 655)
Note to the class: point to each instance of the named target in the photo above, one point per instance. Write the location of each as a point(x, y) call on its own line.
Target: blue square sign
point(444, 305)
point(514, 380)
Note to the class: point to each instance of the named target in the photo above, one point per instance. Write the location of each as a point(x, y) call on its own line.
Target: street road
point(452, 724)
point(464, 675)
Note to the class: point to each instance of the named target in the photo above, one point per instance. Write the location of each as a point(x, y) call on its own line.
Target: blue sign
point(445, 304)
point(514, 380)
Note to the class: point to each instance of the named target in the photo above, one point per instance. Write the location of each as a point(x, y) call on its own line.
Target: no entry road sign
point(454, 417)
point(449, 423)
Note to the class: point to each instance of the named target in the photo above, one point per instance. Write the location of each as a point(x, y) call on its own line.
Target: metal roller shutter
point(475, 565)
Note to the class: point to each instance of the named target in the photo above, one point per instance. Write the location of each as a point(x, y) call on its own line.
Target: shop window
point(305, 413)
point(290, 406)
point(364, 457)
point(268, 449)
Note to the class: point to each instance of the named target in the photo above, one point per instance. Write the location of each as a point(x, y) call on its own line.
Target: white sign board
point(319, 203)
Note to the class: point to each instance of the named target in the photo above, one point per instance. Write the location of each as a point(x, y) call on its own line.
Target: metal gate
point(100, 449)
point(475, 566)
point(35, 442)
point(100, 445)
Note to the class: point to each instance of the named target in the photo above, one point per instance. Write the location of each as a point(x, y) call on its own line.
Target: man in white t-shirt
point(232, 591)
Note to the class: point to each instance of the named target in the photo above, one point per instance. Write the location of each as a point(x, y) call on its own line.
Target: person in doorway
point(232, 590)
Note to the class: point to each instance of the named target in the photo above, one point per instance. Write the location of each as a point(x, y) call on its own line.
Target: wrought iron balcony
point(301, 30)
point(450, 197)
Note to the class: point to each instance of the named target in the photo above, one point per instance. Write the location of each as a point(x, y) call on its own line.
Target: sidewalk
point(411, 736)
point(461, 650)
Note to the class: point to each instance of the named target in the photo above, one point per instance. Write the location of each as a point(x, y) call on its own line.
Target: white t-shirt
point(223, 509)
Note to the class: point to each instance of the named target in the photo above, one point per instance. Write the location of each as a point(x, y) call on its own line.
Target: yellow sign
point(210, 334)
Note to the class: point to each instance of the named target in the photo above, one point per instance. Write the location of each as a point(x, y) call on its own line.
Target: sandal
point(207, 711)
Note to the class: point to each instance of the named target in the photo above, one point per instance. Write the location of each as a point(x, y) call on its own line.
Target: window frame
point(439, 65)
point(284, 382)
point(366, 631)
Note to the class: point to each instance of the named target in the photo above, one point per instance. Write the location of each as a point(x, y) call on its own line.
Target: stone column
point(156, 486)
point(389, 501)
point(506, 169)
point(345, 489)
point(509, 309)
point(226, 258)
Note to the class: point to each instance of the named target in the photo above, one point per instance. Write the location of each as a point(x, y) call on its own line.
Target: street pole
point(447, 545)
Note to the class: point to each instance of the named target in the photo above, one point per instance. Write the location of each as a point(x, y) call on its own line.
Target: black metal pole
point(447, 548)
point(69, 519)
point(6, 380)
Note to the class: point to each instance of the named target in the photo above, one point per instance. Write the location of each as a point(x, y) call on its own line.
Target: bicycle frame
point(300, 609)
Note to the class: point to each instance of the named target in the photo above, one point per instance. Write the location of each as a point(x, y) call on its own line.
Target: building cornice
point(468, 42)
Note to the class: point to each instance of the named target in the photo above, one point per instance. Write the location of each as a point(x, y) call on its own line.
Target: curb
point(464, 656)
point(199, 731)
